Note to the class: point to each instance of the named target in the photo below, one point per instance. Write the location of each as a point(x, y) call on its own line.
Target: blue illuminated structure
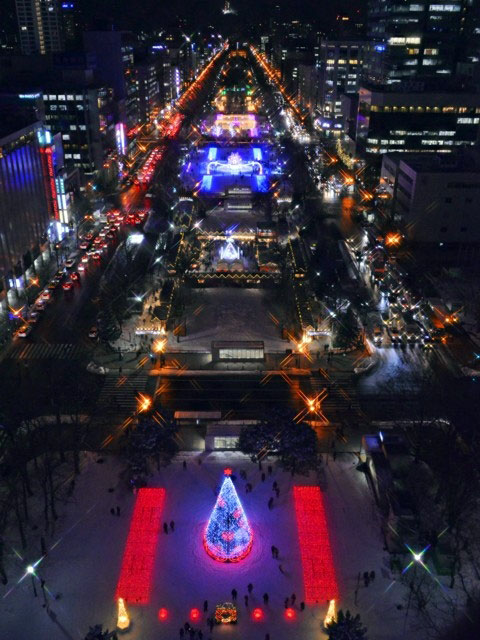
point(228, 537)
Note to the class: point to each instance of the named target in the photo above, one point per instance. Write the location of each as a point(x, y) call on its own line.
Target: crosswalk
point(341, 396)
point(119, 392)
point(46, 350)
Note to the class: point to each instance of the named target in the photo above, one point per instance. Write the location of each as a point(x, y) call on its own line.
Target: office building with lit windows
point(340, 64)
point(40, 26)
point(411, 39)
point(85, 118)
point(414, 120)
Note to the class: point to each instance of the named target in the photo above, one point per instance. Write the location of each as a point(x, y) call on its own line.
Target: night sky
point(147, 13)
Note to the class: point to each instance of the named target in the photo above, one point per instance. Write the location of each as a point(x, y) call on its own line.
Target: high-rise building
point(40, 26)
point(411, 39)
point(340, 64)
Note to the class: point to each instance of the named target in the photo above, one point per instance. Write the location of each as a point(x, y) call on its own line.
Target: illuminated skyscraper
point(40, 26)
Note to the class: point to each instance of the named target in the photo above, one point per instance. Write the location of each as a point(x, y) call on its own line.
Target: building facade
point(40, 26)
point(28, 200)
point(435, 197)
point(414, 120)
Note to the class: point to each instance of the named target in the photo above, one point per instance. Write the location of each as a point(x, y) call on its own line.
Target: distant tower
point(227, 8)
point(40, 26)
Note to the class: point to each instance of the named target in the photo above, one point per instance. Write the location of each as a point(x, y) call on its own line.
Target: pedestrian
point(274, 485)
point(172, 525)
point(302, 606)
point(265, 598)
point(280, 568)
point(269, 469)
point(277, 492)
point(234, 594)
point(246, 600)
point(43, 546)
point(200, 634)
point(286, 603)
point(270, 503)
point(120, 369)
point(205, 606)
point(112, 511)
point(191, 631)
point(184, 464)
point(250, 587)
point(276, 552)
point(210, 623)
point(273, 551)
point(259, 465)
point(165, 527)
point(181, 632)
point(366, 578)
point(267, 636)
point(263, 477)
point(334, 455)
point(293, 598)
point(372, 576)
point(118, 511)
point(186, 626)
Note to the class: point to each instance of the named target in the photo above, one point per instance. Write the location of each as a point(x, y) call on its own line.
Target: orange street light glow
point(144, 403)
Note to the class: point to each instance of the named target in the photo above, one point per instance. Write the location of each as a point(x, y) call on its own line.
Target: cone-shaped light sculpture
point(228, 537)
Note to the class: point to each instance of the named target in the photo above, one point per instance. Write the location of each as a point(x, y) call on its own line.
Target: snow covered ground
point(85, 558)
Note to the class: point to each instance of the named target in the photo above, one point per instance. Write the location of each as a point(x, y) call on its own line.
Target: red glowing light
point(257, 614)
point(135, 581)
point(290, 614)
point(319, 579)
point(162, 614)
point(227, 471)
point(194, 614)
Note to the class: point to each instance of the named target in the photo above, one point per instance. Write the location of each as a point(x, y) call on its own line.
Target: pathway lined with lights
point(319, 576)
point(135, 581)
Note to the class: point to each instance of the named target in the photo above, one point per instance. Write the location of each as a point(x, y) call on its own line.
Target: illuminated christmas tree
point(228, 537)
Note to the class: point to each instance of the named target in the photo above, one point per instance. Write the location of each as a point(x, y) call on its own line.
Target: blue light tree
point(228, 537)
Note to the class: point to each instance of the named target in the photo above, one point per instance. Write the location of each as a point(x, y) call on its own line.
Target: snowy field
point(84, 560)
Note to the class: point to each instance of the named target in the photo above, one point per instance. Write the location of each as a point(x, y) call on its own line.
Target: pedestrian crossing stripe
point(46, 350)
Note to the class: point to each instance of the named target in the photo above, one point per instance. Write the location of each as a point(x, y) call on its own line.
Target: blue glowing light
point(228, 537)
point(257, 154)
point(206, 183)
point(212, 153)
point(380, 47)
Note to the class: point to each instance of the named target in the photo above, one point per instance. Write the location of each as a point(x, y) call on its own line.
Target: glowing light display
point(319, 579)
point(162, 614)
point(230, 251)
point(123, 621)
point(331, 614)
point(225, 613)
point(134, 584)
point(228, 537)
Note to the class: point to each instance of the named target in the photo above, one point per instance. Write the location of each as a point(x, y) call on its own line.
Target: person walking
point(184, 464)
point(246, 600)
point(112, 511)
point(276, 552)
point(200, 634)
point(280, 568)
point(234, 594)
point(265, 598)
point(372, 576)
point(286, 603)
point(181, 632)
point(293, 598)
point(267, 636)
point(274, 485)
point(210, 623)
point(277, 492)
point(302, 606)
point(165, 527)
point(366, 578)
point(263, 477)
point(250, 587)
point(205, 606)
point(118, 511)
point(270, 504)
point(270, 469)
point(172, 525)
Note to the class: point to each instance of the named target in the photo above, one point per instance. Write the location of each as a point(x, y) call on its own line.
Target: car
point(92, 251)
point(33, 317)
point(97, 240)
point(84, 259)
point(118, 224)
point(104, 245)
point(81, 267)
point(96, 368)
point(70, 263)
point(102, 233)
point(84, 245)
point(24, 331)
point(88, 236)
point(93, 333)
point(67, 286)
point(75, 276)
point(97, 256)
point(46, 296)
point(377, 335)
point(52, 284)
